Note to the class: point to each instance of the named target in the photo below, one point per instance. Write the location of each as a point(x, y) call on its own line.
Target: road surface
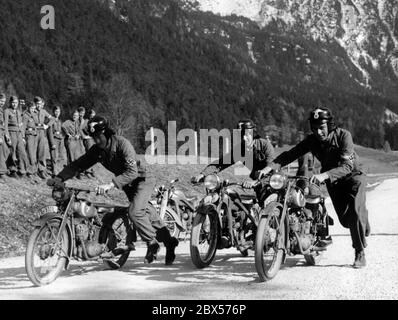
point(232, 276)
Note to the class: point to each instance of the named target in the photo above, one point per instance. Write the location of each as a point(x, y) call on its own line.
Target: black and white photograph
point(208, 151)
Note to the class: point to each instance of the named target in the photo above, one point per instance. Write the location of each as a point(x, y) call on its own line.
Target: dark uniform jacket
point(119, 157)
point(30, 122)
point(55, 131)
point(262, 154)
point(44, 119)
point(72, 129)
point(2, 128)
point(13, 121)
point(337, 156)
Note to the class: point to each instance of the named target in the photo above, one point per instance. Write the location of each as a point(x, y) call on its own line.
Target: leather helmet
point(246, 124)
point(97, 125)
point(320, 116)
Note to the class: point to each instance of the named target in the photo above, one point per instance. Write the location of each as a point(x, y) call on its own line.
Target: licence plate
point(48, 209)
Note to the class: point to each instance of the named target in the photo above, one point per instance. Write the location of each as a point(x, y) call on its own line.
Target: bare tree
point(126, 108)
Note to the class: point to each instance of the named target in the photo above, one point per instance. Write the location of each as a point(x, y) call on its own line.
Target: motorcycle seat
point(247, 197)
point(313, 200)
point(192, 198)
point(106, 207)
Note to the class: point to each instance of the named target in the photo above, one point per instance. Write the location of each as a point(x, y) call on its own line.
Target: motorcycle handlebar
point(82, 189)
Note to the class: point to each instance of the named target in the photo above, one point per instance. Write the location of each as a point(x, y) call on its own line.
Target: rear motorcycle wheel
point(270, 244)
point(115, 234)
point(45, 257)
point(171, 224)
point(203, 243)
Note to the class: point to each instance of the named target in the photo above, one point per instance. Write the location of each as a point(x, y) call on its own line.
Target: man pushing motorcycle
point(257, 150)
point(117, 155)
point(341, 171)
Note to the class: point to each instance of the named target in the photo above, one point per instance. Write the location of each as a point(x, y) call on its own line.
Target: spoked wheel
point(204, 235)
point(313, 258)
point(46, 256)
point(117, 235)
point(171, 224)
point(269, 246)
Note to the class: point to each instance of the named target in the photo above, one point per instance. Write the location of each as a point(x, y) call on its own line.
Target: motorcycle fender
point(176, 218)
point(44, 218)
point(269, 209)
point(266, 212)
point(50, 216)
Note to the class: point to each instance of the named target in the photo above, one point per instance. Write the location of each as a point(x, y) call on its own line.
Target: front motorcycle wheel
point(203, 243)
point(269, 246)
point(117, 233)
point(45, 257)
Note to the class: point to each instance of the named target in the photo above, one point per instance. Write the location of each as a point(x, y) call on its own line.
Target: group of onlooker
point(25, 135)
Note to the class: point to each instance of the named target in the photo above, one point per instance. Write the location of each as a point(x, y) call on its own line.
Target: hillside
point(145, 62)
point(20, 200)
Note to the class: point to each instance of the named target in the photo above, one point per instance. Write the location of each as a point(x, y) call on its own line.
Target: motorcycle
point(293, 220)
point(224, 219)
point(73, 229)
point(176, 209)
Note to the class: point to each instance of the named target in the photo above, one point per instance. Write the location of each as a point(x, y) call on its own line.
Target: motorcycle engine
point(85, 233)
point(300, 223)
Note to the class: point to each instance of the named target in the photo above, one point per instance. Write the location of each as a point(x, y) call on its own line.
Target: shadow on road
point(225, 268)
point(16, 278)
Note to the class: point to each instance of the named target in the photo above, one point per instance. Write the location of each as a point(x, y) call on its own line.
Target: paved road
point(232, 276)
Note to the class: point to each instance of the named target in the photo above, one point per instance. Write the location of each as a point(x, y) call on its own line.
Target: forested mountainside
point(145, 62)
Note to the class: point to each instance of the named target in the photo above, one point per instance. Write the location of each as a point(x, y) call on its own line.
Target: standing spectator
point(56, 142)
point(73, 143)
point(88, 141)
point(30, 120)
point(45, 120)
point(14, 131)
point(3, 147)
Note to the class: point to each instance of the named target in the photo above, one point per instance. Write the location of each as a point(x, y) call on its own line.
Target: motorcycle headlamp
point(59, 194)
point(277, 181)
point(212, 182)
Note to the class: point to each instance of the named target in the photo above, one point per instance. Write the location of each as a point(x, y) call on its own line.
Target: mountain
point(145, 62)
point(366, 29)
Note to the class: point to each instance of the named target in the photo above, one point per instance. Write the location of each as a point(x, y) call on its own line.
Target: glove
point(249, 184)
point(55, 182)
point(102, 189)
point(319, 178)
point(198, 178)
point(264, 172)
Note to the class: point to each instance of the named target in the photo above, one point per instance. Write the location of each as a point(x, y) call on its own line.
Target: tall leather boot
point(163, 235)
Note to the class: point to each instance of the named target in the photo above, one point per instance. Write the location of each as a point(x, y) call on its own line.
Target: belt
point(32, 131)
point(14, 129)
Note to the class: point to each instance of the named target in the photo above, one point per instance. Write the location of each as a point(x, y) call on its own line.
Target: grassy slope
point(20, 199)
